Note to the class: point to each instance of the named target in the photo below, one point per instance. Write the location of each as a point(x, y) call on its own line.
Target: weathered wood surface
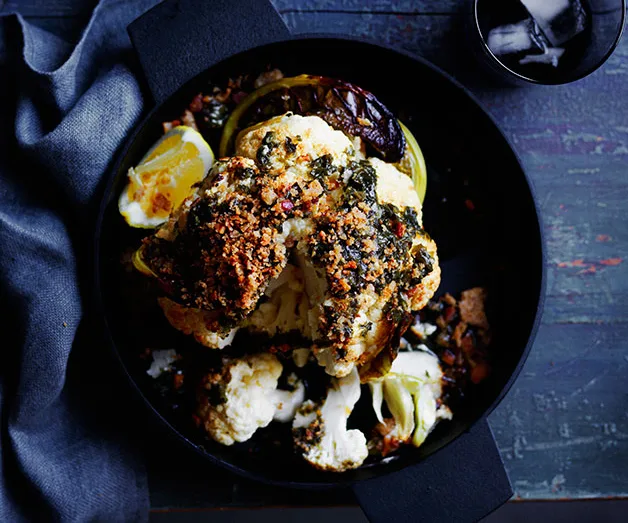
point(563, 429)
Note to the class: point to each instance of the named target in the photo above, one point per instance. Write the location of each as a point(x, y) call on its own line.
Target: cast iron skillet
point(457, 475)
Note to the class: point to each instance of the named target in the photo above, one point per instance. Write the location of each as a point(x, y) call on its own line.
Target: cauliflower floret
point(371, 330)
point(288, 147)
point(395, 187)
point(242, 397)
point(237, 401)
point(162, 359)
point(412, 391)
point(320, 431)
point(311, 138)
point(426, 272)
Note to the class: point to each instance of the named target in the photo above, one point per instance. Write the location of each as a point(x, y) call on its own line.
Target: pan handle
point(178, 39)
point(462, 483)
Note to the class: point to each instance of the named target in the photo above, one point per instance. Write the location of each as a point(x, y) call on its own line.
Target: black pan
point(457, 475)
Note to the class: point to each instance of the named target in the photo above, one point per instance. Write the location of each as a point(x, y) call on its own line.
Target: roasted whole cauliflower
point(243, 397)
point(320, 430)
point(298, 196)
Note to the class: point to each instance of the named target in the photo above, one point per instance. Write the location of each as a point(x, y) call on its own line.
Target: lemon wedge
point(164, 177)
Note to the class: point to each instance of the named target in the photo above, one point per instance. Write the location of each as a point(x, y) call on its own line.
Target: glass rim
point(568, 79)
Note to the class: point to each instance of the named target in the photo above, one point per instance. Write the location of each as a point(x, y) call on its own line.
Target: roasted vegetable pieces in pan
point(305, 235)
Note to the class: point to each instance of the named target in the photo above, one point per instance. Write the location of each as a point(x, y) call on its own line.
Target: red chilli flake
point(399, 229)
point(469, 205)
point(287, 205)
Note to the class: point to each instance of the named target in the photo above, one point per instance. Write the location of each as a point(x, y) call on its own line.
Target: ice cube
point(550, 57)
point(560, 20)
point(515, 38)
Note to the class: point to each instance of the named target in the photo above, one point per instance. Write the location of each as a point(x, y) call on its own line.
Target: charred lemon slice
point(164, 177)
point(413, 163)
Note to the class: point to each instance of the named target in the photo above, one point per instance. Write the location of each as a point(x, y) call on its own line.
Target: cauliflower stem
point(411, 390)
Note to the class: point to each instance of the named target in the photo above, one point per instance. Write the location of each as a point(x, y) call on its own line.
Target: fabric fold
point(66, 436)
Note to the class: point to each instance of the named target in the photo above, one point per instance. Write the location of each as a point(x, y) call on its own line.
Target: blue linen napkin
point(65, 110)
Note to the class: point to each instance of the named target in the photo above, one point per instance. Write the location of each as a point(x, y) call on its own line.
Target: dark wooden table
point(563, 429)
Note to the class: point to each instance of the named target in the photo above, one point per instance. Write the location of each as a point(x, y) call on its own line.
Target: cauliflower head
point(243, 397)
point(320, 430)
point(298, 194)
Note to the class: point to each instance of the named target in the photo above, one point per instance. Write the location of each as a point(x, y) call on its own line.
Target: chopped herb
point(290, 146)
point(362, 183)
point(322, 167)
point(244, 173)
point(423, 265)
point(265, 150)
point(366, 328)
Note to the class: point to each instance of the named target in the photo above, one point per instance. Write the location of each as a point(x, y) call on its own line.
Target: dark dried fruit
point(342, 105)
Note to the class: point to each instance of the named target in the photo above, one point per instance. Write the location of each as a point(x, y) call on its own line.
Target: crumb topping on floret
point(366, 247)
